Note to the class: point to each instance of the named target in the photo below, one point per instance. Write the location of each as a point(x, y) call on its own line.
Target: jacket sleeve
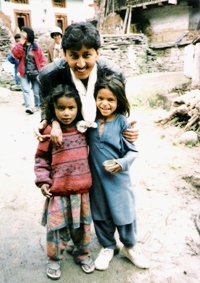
point(48, 57)
point(129, 151)
point(52, 74)
point(107, 67)
point(42, 167)
point(41, 57)
point(17, 51)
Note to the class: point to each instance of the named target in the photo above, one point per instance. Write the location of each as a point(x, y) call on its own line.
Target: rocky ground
point(166, 204)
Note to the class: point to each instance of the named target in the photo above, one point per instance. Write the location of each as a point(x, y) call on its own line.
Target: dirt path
point(166, 206)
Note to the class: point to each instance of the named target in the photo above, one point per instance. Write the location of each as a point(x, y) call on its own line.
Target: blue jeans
point(25, 84)
point(16, 63)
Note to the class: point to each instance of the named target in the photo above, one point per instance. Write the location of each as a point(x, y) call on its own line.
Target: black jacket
point(58, 72)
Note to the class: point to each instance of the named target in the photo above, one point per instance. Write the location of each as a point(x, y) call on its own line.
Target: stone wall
point(6, 36)
point(165, 58)
point(129, 52)
point(135, 56)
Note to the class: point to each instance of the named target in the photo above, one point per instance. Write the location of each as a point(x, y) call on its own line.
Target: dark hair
point(30, 33)
point(55, 33)
point(116, 85)
point(78, 34)
point(17, 36)
point(48, 105)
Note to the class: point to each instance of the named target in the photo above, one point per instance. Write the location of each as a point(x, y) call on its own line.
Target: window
point(59, 3)
point(20, 1)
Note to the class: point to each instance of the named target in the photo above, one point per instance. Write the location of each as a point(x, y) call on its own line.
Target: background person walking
point(15, 62)
point(31, 61)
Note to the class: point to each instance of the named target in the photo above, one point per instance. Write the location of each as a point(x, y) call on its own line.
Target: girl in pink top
point(63, 175)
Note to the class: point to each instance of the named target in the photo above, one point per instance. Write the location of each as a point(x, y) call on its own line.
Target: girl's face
point(66, 110)
point(81, 62)
point(106, 103)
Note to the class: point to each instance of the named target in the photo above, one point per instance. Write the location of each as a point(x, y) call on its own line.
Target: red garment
point(65, 169)
point(19, 53)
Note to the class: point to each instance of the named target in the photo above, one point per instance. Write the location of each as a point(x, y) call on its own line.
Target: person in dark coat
point(81, 66)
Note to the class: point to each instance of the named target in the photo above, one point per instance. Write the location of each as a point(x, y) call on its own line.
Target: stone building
point(148, 35)
point(159, 20)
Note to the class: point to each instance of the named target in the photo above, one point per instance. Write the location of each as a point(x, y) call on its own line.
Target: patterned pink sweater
point(65, 169)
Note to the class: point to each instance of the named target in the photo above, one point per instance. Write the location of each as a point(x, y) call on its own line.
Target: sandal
point(53, 270)
point(87, 265)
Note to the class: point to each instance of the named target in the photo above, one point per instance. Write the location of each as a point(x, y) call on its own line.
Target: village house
point(43, 15)
point(159, 20)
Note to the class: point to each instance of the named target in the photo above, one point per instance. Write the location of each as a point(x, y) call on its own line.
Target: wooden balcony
point(123, 4)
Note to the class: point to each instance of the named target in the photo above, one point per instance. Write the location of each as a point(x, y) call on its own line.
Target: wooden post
point(125, 20)
point(196, 67)
point(101, 14)
point(129, 20)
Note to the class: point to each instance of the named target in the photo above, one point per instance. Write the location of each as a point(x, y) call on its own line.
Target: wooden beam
point(129, 20)
point(125, 20)
point(136, 4)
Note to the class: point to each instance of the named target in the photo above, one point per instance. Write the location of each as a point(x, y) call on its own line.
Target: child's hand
point(45, 190)
point(131, 135)
point(56, 134)
point(115, 169)
point(22, 39)
point(37, 131)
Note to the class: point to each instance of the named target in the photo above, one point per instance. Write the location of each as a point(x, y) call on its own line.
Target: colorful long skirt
point(67, 217)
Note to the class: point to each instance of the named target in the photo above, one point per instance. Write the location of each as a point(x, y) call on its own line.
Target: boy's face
point(57, 38)
point(82, 62)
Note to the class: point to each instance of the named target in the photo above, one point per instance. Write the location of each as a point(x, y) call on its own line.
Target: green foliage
point(2, 84)
point(191, 143)
point(152, 101)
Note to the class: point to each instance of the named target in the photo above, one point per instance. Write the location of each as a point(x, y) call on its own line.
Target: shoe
point(15, 87)
point(136, 257)
point(29, 110)
point(103, 259)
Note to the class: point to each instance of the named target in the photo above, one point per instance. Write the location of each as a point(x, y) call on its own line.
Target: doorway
point(22, 18)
